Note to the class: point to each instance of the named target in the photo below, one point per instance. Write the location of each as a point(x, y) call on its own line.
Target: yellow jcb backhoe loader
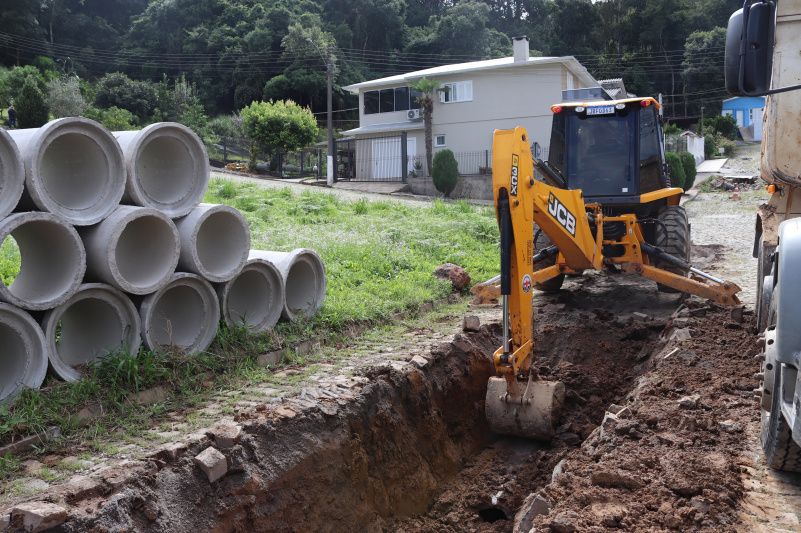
point(607, 231)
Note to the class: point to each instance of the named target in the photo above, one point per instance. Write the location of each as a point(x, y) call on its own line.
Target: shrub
point(725, 125)
point(113, 118)
point(710, 146)
point(672, 128)
point(727, 145)
point(445, 172)
point(31, 107)
point(64, 97)
point(688, 162)
point(118, 90)
point(677, 177)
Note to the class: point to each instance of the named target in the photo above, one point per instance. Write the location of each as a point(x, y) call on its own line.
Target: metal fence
point(377, 158)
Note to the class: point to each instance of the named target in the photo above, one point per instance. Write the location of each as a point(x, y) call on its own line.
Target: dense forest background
point(228, 53)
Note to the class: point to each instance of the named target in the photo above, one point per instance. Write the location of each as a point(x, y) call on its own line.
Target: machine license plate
point(601, 110)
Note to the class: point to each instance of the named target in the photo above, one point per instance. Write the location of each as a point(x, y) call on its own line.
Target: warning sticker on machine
point(526, 283)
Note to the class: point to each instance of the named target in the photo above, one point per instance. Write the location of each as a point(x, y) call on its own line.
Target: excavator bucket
point(530, 411)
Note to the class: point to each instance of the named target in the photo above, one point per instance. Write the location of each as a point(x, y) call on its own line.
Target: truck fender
point(787, 293)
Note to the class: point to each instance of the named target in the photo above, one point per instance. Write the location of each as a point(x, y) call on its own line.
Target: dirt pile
point(668, 458)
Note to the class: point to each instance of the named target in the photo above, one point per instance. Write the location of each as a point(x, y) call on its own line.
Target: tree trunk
point(428, 109)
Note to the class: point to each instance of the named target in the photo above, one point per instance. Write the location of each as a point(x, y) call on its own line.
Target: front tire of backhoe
point(673, 236)
point(541, 242)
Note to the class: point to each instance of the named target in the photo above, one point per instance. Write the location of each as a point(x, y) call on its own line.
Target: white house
point(482, 96)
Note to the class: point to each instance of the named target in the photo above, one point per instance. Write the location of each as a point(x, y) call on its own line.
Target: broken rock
point(212, 463)
point(471, 323)
point(533, 505)
point(455, 274)
point(226, 435)
point(270, 358)
point(681, 334)
point(614, 479)
point(419, 361)
point(39, 516)
point(730, 426)
point(689, 402)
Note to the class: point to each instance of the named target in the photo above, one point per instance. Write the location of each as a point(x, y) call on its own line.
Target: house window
point(370, 102)
point(439, 141)
point(458, 91)
point(401, 98)
point(390, 100)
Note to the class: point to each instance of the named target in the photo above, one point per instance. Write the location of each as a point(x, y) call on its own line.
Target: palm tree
point(427, 88)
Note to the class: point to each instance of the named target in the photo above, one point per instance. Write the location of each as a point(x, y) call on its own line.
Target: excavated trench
point(409, 450)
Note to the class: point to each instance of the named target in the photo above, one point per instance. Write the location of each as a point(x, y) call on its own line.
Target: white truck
point(763, 57)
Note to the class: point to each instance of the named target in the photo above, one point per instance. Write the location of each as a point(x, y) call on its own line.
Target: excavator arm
point(517, 401)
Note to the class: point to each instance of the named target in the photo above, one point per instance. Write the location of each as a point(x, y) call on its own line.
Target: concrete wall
point(473, 187)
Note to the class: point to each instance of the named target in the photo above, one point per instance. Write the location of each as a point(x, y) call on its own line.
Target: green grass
point(379, 258)
point(9, 260)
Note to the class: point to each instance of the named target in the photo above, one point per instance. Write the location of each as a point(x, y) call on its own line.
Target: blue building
point(747, 111)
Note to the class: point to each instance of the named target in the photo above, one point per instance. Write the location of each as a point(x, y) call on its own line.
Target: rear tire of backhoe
point(541, 242)
point(673, 236)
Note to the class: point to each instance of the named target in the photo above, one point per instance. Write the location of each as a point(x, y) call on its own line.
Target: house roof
point(385, 128)
point(734, 98)
point(570, 62)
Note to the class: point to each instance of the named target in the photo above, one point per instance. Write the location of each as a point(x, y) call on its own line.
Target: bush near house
point(445, 172)
point(688, 162)
point(677, 176)
point(32, 110)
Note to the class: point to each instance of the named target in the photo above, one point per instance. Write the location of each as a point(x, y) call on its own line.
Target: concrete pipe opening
point(52, 260)
point(98, 320)
point(304, 280)
point(254, 298)
point(23, 363)
point(135, 249)
point(12, 174)
point(215, 240)
point(167, 167)
point(184, 315)
point(73, 168)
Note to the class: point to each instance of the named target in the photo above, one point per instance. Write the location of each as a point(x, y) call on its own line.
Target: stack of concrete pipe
point(117, 250)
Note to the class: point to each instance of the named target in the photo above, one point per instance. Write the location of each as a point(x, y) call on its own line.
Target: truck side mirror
point(749, 48)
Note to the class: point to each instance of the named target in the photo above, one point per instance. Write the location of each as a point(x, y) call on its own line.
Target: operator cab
point(610, 149)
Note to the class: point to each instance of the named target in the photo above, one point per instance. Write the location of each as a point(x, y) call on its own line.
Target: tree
point(12, 81)
point(427, 89)
point(677, 176)
point(275, 128)
point(118, 90)
point(705, 77)
point(446, 172)
point(32, 111)
point(688, 163)
point(64, 97)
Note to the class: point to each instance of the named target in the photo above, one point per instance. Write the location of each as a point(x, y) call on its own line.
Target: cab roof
point(610, 102)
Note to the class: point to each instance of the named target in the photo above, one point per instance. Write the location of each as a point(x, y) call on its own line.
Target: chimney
point(520, 49)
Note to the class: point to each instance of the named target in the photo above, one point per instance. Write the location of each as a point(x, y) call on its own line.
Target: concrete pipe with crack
point(254, 298)
point(304, 280)
point(135, 249)
point(52, 260)
point(12, 174)
point(215, 240)
point(96, 321)
point(23, 364)
point(185, 314)
point(73, 168)
point(167, 168)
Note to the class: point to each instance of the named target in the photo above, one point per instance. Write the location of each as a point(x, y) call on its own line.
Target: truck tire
point(541, 242)
point(763, 294)
point(673, 236)
point(781, 451)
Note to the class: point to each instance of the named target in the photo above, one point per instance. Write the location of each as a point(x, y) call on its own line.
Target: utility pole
point(329, 66)
point(701, 126)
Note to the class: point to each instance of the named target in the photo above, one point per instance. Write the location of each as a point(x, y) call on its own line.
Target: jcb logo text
point(561, 214)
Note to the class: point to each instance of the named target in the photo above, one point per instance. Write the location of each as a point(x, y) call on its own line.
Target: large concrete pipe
point(73, 168)
point(254, 298)
point(215, 240)
point(96, 321)
point(167, 167)
point(185, 314)
point(23, 359)
point(12, 174)
point(304, 280)
point(135, 249)
point(52, 260)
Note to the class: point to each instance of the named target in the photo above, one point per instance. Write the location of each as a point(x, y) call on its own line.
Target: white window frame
point(436, 141)
point(456, 91)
